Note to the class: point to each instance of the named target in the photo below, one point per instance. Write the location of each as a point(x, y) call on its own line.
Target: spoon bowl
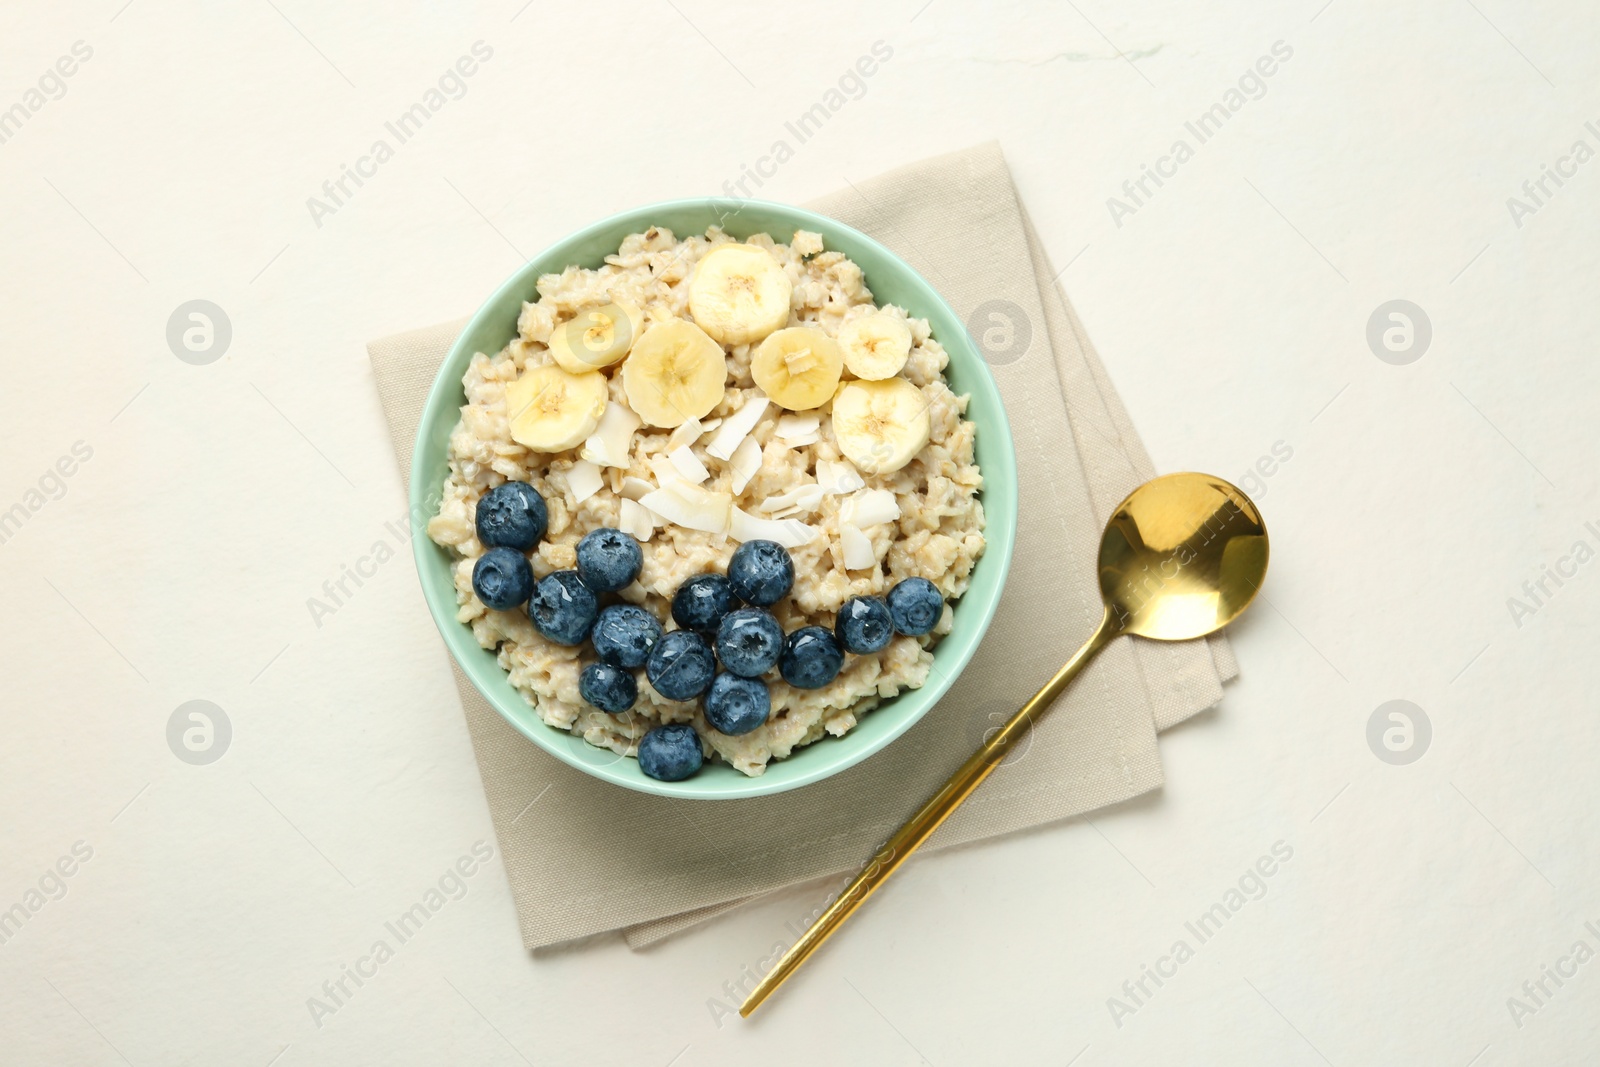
point(1181, 557)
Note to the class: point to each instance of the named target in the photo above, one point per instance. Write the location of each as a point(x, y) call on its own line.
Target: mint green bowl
point(891, 281)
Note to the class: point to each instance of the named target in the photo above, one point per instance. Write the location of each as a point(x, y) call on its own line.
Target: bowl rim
point(997, 555)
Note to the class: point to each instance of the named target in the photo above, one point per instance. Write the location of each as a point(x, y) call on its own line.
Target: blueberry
point(563, 608)
point(811, 658)
point(761, 572)
point(915, 605)
point(623, 635)
point(680, 665)
point(512, 515)
point(502, 578)
point(702, 601)
point(749, 642)
point(737, 705)
point(864, 624)
point(608, 559)
point(670, 753)
point(608, 688)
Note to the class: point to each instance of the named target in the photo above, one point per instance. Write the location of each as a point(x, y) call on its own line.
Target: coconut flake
point(794, 428)
point(696, 510)
point(800, 498)
point(839, 477)
point(736, 427)
point(634, 488)
point(869, 507)
point(687, 433)
point(584, 480)
point(663, 469)
point(688, 465)
point(800, 442)
point(612, 440)
point(857, 546)
point(790, 533)
point(695, 494)
point(746, 461)
point(636, 519)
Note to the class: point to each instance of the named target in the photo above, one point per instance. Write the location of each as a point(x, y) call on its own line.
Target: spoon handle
point(930, 816)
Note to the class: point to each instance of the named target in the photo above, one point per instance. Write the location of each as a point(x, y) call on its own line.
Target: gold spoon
point(1182, 556)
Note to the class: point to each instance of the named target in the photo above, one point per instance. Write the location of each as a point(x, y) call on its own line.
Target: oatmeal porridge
point(711, 486)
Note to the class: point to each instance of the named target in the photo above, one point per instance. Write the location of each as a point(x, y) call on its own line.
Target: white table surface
point(176, 562)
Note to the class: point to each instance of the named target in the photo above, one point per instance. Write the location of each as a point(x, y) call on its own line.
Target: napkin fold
point(584, 856)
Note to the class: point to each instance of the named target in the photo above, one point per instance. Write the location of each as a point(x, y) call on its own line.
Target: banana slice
point(597, 337)
point(798, 367)
point(553, 410)
point(674, 373)
point(880, 426)
point(739, 294)
point(876, 346)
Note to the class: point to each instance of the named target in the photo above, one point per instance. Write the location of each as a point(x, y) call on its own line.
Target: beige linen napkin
point(584, 856)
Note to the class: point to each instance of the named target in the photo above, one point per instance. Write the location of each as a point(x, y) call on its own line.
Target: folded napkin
point(584, 856)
